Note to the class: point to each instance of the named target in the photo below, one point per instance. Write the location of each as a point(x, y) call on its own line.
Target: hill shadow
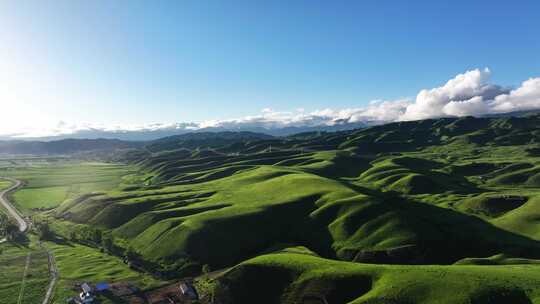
point(434, 235)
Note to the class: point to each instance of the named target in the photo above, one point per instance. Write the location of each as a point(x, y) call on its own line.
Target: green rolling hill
point(409, 212)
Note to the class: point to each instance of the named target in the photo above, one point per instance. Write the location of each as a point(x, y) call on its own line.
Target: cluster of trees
point(43, 231)
point(211, 291)
point(82, 234)
point(8, 229)
point(86, 234)
point(94, 237)
point(106, 242)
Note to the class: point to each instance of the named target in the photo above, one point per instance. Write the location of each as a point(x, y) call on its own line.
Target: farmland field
point(77, 264)
point(4, 184)
point(48, 184)
point(12, 267)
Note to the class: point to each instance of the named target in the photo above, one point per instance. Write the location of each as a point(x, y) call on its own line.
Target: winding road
point(23, 225)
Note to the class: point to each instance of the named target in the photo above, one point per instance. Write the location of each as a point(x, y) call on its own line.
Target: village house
point(86, 295)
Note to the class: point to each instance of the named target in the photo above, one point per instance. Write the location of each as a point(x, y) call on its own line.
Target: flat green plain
point(47, 186)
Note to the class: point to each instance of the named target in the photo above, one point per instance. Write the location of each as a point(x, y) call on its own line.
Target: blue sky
point(133, 62)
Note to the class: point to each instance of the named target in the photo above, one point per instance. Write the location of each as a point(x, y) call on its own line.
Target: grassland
point(48, 184)
point(77, 264)
point(300, 278)
point(413, 212)
point(4, 184)
point(395, 209)
point(12, 268)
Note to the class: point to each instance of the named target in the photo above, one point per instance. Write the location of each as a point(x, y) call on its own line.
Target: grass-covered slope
point(427, 203)
point(203, 140)
point(446, 191)
point(300, 278)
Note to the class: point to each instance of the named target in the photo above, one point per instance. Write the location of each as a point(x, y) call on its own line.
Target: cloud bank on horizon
point(467, 94)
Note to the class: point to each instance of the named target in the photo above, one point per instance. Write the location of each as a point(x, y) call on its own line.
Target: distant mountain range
point(179, 129)
point(74, 146)
point(157, 131)
point(172, 139)
point(203, 140)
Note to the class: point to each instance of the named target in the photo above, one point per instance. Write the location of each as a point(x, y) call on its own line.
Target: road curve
point(23, 225)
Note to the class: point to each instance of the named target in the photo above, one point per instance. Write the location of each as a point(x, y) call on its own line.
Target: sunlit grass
point(4, 184)
point(77, 263)
point(305, 276)
point(12, 265)
point(47, 186)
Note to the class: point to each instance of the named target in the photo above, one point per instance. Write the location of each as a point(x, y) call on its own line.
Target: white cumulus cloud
point(466, 94)
point(526, 97)
point(469, 93)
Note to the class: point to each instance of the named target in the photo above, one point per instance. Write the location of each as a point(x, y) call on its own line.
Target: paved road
point(23, 225)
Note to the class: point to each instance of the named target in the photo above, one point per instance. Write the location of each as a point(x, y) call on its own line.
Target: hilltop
point(201, 140)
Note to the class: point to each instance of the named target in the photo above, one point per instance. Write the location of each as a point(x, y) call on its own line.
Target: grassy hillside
point(432, 192)
point(300, 278)
point(203, 140)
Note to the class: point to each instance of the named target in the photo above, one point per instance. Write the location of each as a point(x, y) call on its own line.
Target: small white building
point(86, 295)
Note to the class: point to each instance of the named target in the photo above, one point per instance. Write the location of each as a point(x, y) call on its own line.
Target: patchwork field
point(77, 264)
point(49, 184)
point(18, 285)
